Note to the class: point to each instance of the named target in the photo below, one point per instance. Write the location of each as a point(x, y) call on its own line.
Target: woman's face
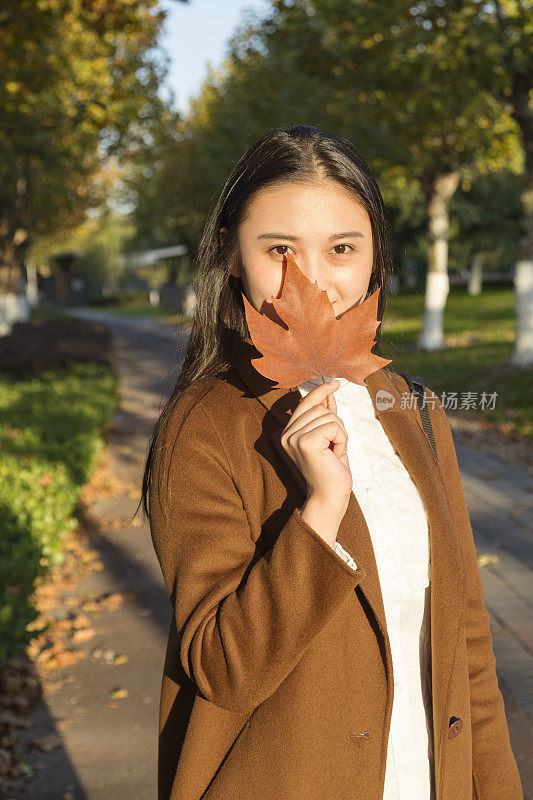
point(325, 229)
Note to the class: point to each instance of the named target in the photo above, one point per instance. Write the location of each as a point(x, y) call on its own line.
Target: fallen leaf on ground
point(118, 694)
point(48, 743)
point(83, 635)
point(485, 559)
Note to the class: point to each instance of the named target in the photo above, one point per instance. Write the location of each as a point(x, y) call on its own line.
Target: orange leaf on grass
point(314, 343)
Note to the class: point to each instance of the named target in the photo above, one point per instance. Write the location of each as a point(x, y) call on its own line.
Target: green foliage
point(79, 83)
point(486, 221)
point(51, 427)
point(394, 78)
point(102, 260)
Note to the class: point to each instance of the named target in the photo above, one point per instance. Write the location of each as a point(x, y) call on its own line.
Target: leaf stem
point(327, 396)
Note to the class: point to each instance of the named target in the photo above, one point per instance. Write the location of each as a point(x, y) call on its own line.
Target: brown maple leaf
point(314, 343)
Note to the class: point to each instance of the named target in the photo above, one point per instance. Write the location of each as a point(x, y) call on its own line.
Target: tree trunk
point(172, 270)
point(13, 301)
point(475, 281)
point(32, 289)
point(523, 350)
point(10, 267)
point(438, 193)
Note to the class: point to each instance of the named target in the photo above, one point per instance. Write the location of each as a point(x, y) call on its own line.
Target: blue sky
point(195, 34)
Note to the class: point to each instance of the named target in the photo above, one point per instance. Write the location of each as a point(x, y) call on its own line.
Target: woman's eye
point(343, 245)
point(277, 246)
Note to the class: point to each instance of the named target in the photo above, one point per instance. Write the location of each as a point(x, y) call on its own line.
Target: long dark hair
point(300, 154)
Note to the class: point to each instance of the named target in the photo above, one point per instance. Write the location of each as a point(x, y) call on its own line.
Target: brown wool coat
point(278, 651)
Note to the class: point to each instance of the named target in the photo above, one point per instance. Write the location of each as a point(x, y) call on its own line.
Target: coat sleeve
point(495, 774)
point(243, 617)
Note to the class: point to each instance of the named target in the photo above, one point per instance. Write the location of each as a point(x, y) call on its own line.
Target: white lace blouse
point(398, 526)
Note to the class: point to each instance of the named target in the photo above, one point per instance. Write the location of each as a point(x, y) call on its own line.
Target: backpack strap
point(417, 386)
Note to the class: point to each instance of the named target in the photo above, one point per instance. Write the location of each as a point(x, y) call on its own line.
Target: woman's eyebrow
point(296, 238)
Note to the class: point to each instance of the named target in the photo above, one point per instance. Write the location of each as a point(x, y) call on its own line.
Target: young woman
point(329, 639)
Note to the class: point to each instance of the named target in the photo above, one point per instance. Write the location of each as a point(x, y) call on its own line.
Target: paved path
point(109, 749)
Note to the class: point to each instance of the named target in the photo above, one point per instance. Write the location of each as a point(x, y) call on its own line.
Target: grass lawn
point(140, 310)
point(479, 335)
point(48, 312)
point(126, 310)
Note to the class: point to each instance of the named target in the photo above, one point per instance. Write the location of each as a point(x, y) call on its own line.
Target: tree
point(79, 83)
point(393, 64)
point(494, 44)
point(378, 74)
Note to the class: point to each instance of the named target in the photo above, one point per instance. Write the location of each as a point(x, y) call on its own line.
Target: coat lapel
point(403, 426)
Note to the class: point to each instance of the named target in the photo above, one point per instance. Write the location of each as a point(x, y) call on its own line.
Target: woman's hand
point(306, 439)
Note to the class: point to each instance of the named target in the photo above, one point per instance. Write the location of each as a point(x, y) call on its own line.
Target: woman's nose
point(314, 270)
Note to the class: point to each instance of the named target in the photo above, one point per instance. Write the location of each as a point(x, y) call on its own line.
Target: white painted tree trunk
point(437, 288)
point(32, 291)
point(438, 193)
point(475, 281)
point(523, 350)
point(13, 308)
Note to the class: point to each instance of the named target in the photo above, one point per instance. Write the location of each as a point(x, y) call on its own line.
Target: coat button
point(455, 727)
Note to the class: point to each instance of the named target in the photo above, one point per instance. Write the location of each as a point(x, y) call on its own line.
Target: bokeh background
point(120, 121)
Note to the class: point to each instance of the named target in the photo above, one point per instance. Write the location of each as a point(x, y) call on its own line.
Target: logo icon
point(384, 400)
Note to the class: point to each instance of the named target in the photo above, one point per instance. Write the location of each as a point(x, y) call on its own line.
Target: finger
point(310, 419)
point(322, 434)
point(316, 396)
